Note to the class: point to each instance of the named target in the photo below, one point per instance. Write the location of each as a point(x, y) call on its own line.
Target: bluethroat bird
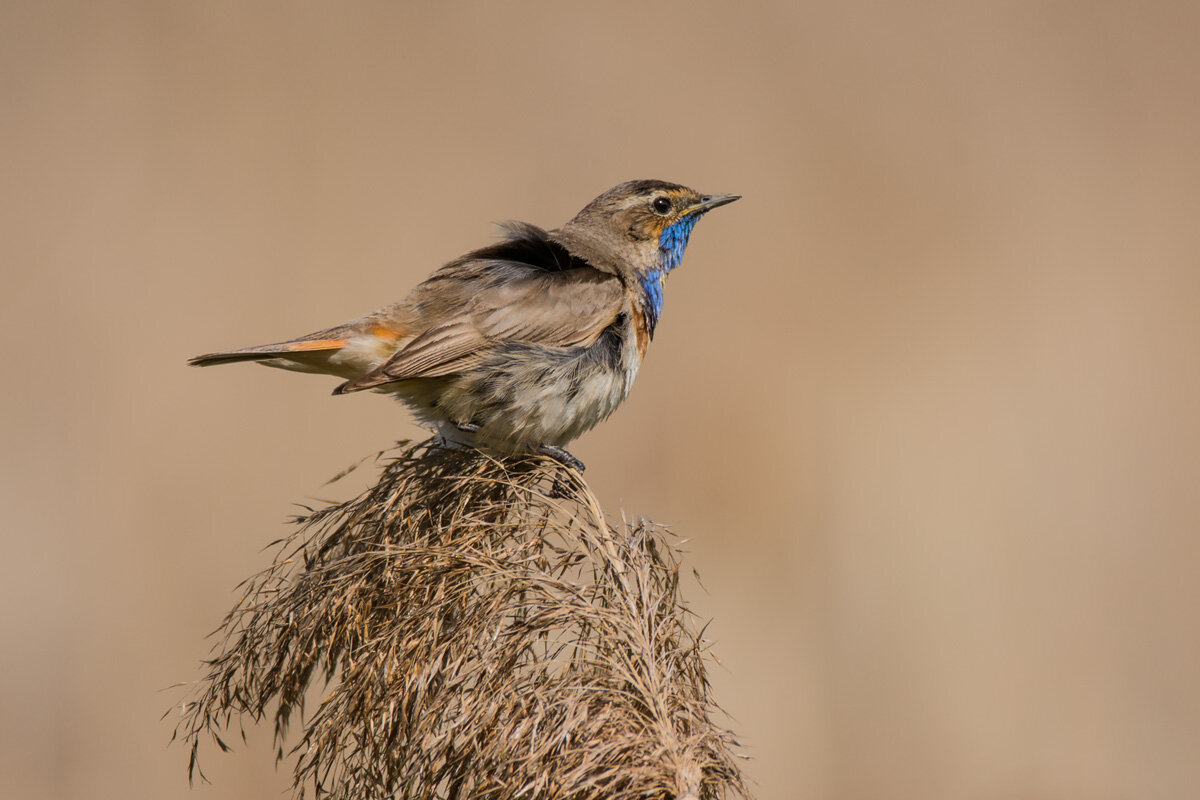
point(525, 344)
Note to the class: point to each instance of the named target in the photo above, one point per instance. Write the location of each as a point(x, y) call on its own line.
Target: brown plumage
point(523, 344)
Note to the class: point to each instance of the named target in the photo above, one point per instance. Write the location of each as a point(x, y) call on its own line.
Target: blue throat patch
point(673, 241)
point(671, 244)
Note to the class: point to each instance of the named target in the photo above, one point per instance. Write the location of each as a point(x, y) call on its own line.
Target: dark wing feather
point(529, 244)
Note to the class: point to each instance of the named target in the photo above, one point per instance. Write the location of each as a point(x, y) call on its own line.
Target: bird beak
point(711, 201)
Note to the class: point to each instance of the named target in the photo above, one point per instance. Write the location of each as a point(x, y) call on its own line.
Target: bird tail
point(267, 351)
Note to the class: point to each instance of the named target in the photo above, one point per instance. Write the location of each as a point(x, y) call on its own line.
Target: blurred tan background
point(927, 400)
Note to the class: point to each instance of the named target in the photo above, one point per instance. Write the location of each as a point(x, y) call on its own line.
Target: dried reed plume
point(484, 633)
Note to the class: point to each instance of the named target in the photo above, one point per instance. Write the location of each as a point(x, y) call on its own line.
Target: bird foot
point(559, 488)
point(450, 441)
point(449, 436)
point(447, 443)
point(562, 456)
point(569, 462)
point(557, 453)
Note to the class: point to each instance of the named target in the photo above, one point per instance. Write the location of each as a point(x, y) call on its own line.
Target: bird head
point(638, 226)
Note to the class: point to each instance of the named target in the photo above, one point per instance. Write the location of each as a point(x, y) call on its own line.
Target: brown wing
point(560, 309)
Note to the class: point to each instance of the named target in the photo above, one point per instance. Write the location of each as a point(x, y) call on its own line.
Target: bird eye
point(661, 205)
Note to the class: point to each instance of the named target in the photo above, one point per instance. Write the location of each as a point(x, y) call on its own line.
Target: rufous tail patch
point(316, 344)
